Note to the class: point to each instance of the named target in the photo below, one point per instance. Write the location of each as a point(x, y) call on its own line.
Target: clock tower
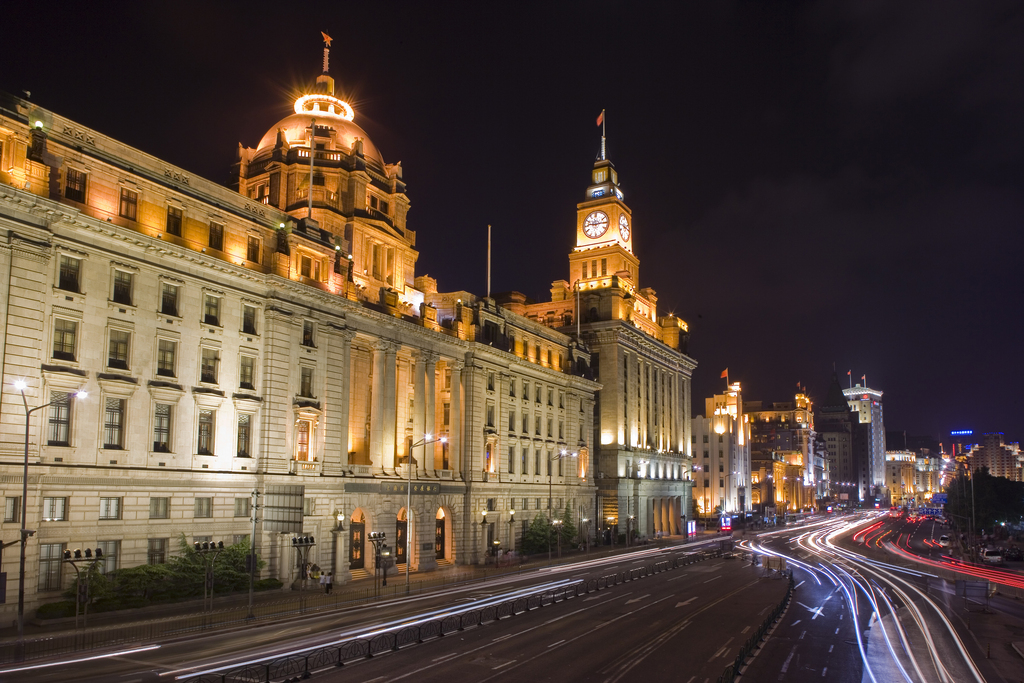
point(604, 234)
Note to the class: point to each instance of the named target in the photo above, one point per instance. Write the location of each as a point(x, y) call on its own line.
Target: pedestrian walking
point(330, 582)
point(323, 583)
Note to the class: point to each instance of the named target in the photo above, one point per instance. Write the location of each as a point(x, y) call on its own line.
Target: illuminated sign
point(962, 432)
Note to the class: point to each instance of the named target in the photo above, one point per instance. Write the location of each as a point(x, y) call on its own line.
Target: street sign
point(939, 499)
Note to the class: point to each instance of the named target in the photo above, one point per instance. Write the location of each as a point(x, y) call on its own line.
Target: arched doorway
point(401, 531)
point(440, 535)
point(357, 541)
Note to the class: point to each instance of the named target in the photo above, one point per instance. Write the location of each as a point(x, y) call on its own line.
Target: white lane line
point(456, 654)
point(799, 584)
point(824, 671)
point(802, 634)
point(745, 629)
point(502, 666)
point(630, 602)
point(796, 622)
point(713, 578)
point(785, 664)
point(84, 659)
point(556, 644)
point(501, 638)
point(830, 647)
point(837, 632)
point(684, 604)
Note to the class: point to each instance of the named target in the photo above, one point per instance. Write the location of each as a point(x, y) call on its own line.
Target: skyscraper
point(867, 403)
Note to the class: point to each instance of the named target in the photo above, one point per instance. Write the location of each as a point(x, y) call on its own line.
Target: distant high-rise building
point(721, 449)
point(847, 440)
point(868, 405)
point(1002, 459)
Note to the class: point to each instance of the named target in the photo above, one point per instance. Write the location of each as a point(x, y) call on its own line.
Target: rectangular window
point(306, 383)
point(248, 319)
point(447, 379)
point(59, 432)
point(216, 236)
point(523, 462)
point(604, 266)
point(490, 381)
point(74, 185)
point(511, 459)
point(244, 436)
point(64, 334)
point(560, 472)
point(511, 420)
point(550, 458)
point(246, 373)
point(159, 508)
point(446, 414)
point(162, 428)
point(512, 388)
point(551, 392)
point(208, 366)
point(55, 509)
point(205, 441)
point(203, 507)
point(243, 507)
point(302, 440)
point(156, 552)
point(117, 349)
point(50, 561)
point(309, 267)
point(536, 425)
point(174, 216)
point(308, 333)
point(123, 287)
point(12, 509)
point(540, 389)
point(550, 426)
point(536, 464)
point(70, 274)
point(110, 508)
point(129, 206)
point(561, 429)
point(169, 299)
point(166, 350)
point(113, 423)
point(211, 310)
point(111, 551)
point(584, 270)
point(526, 390)
point(252, 249)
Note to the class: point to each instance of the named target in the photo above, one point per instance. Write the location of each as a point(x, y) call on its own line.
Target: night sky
point(811, 184)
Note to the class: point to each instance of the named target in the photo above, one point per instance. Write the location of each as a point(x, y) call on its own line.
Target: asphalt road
point(683, 625)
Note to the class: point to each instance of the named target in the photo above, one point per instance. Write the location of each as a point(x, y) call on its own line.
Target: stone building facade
point(642, 437)
point(252, 339)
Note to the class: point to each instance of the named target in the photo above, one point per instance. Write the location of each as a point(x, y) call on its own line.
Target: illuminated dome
point(329, 112)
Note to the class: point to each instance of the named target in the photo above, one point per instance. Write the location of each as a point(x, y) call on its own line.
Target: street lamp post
point(377, 538)
point(82, 598)
point(408, 498)
point(302, 544)
point(20, 385)
point(586, 532)
point(559, 456)
point(511, 530)
point(558, 534)
point(208, 552)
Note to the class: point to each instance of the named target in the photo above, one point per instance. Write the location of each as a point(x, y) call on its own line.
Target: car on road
point(944, 541)
point(991, 556)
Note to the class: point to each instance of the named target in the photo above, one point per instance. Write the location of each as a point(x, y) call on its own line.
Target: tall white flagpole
point(488, 261)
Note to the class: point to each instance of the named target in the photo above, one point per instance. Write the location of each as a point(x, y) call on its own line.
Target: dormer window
point(378, 203)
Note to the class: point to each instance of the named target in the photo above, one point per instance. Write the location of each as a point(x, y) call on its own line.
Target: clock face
point(624, 227)
point(596, 224)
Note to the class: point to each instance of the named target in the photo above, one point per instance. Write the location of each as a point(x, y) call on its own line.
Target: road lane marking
point(799, 584)
point(802, 634)
point(745, 629)
point(721, 650)
point(684, 604)
point(630, 602)
point(453, 654)
point(837, 632)
point(785, 664)
point(823, 671)
point(713, 578)
point(558, 643)
point(830, 647)
point(501, 638)
point(501, 666)
point(795, 622)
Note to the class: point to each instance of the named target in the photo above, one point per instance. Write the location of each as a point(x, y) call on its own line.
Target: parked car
point(1013, 554)
point(944, 541)
point(991, 556)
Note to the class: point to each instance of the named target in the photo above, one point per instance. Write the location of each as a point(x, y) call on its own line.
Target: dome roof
point(296, 125)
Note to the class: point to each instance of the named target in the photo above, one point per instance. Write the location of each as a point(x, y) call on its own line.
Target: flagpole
point(488, 261)
point(603, 124)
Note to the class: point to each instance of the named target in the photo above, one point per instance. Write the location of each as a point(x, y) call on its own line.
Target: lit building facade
point(847, 442)
point(234, 342)
point(1002, 459)
point(901, 478)
point(784, 431)
point(721, 450)
point(867, 403)
point(642, 438)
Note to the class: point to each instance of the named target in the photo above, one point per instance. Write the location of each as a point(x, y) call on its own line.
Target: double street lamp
point(380, 548)
point(20, 385)
point(208, 552)
point(559, 456)
point(424, 442)
point(74, 558)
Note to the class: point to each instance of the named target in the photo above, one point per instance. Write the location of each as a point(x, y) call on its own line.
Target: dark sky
point(810, 183)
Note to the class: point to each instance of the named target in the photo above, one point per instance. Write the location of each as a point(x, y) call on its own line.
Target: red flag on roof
point(725, 373)
point(600, 118)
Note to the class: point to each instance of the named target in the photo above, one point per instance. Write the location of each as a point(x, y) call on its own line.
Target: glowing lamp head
point(39, 125)
point(20, 385)
point(81, 394)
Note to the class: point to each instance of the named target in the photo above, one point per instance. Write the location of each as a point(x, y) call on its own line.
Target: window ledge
point(121, 308)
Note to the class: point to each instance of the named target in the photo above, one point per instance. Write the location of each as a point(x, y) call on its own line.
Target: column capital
point(386, 346)
point(458, 365)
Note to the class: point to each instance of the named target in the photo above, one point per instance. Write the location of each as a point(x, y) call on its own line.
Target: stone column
point(429, 413)
point(390, 417)
point(419, 358)
point(345, 392)
point(342, 574)
point(336, 399)
point(455, 438)
point(377, 406)
point(423, 531)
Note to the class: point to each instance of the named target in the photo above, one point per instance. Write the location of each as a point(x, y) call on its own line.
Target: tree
point(569, 531)
point(537, 535)
point(987, 500)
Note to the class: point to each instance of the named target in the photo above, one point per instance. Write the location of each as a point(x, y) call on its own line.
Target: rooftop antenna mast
point(600, 122)
point(312, 130)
